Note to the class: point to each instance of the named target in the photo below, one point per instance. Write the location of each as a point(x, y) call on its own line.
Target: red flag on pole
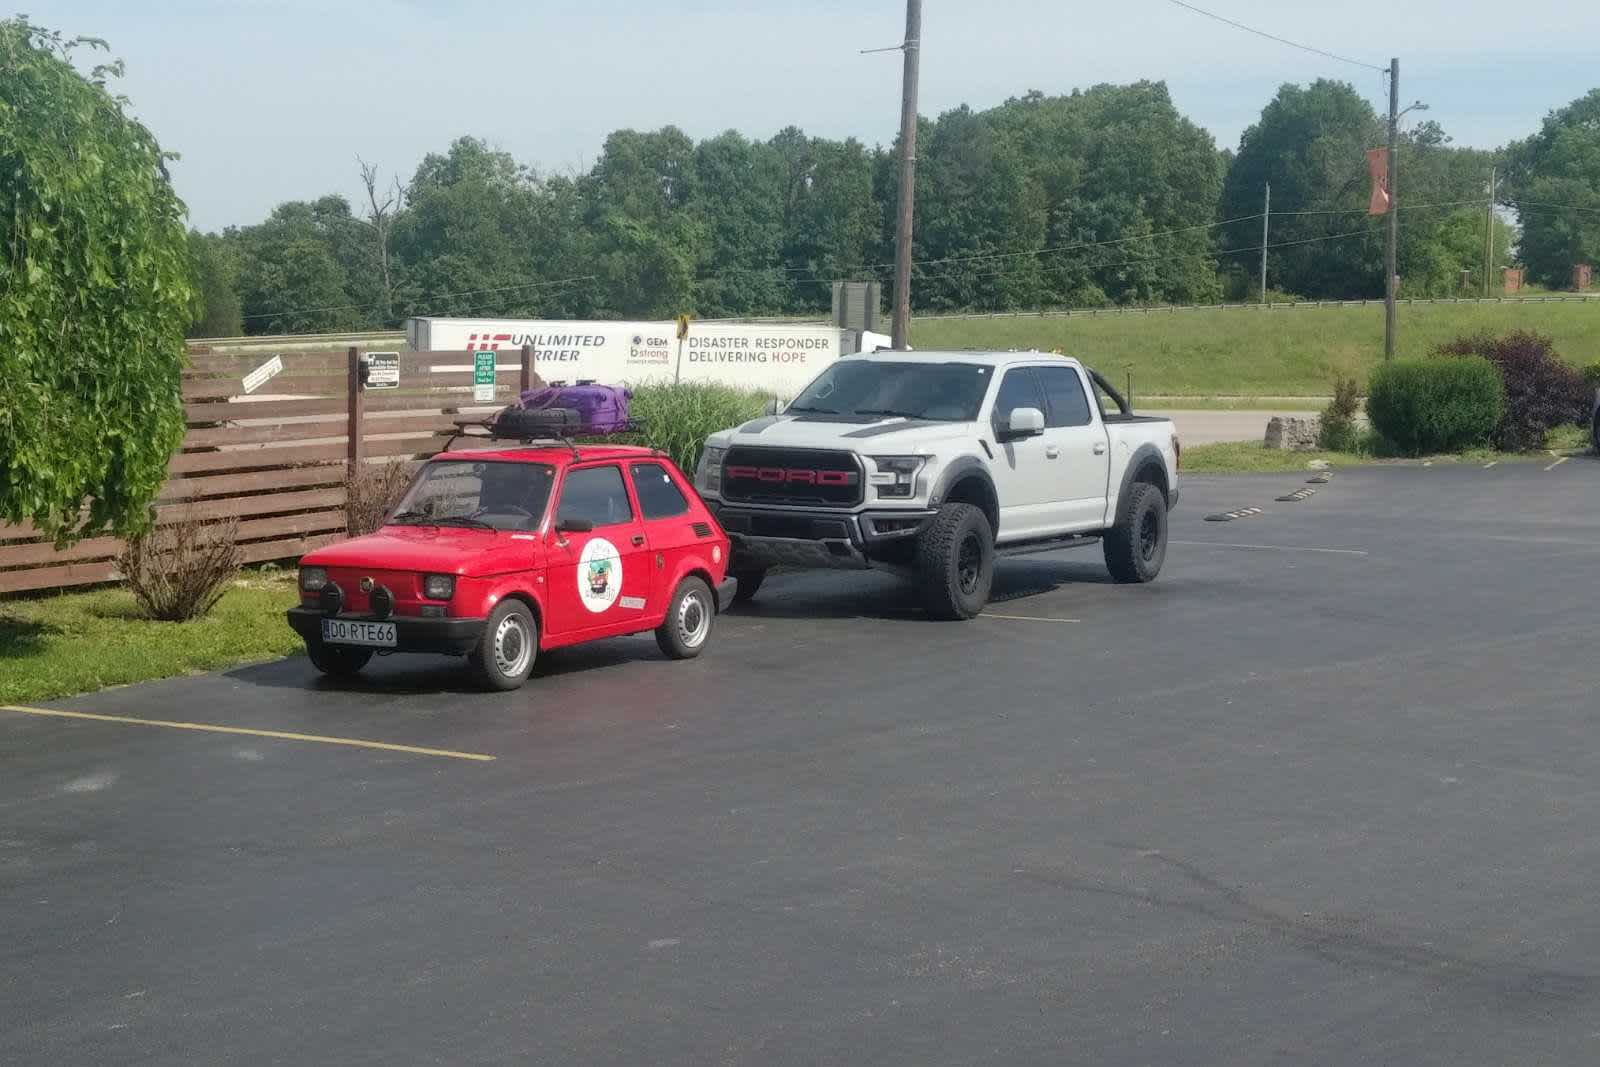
point(1378, 165)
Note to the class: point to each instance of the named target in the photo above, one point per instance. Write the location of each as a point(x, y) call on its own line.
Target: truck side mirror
point(1025, 422)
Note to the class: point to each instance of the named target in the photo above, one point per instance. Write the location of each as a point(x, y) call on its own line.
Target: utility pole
point(1488, 235)
point(1266, 224)
point(1389, 323)
point(908, 170)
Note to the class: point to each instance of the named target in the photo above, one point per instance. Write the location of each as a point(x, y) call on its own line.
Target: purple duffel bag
point(601, 409)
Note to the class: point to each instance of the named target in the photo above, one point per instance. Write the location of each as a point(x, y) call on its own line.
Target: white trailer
point(776, 357)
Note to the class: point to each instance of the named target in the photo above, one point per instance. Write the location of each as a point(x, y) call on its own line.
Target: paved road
point(1211, 427)
point(1325, 793)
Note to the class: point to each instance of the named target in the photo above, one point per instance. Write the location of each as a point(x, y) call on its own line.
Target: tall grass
point(1283, 352)
point(678, 418)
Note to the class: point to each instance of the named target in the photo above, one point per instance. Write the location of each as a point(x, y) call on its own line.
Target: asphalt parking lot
point(1325, 793)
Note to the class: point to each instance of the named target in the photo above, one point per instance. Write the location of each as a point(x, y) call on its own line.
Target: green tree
point(1310, 143)
point(94, 295)
point(1553, 181)
point(648, 238)
point(214, 309)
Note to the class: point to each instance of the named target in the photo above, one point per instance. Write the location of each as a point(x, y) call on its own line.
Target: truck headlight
point(438, 586)
point(312, 579)
point(896, 476)
point(708, 475)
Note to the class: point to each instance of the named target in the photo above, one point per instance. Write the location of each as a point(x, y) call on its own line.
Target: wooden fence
point(276, 459)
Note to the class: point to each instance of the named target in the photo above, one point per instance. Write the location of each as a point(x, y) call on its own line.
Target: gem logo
point(599, 575)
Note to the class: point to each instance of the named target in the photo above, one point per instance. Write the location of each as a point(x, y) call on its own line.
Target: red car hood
point(432, 549)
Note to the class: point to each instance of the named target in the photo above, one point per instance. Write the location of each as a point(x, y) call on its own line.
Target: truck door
point(668, 529)
point(1075, 449)
point(599, 578)
point(1020, 471)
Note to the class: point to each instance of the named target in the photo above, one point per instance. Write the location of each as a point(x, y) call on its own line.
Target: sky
point(273, 100)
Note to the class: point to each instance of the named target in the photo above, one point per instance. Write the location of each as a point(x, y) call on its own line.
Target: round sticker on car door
point(599, 575)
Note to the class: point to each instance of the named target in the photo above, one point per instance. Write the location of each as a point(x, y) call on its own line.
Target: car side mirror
point(574, 526)
point(1025, 422)
point(772, 407)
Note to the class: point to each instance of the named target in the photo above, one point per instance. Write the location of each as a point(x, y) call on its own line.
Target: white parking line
point(1491, 463)
point(1557, 463)
point(1276, 548)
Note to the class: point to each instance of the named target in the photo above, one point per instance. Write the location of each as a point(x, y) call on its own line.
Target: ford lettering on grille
point(792, 476)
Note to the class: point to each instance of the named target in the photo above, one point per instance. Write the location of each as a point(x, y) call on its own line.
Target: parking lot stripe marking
point(1491, 463)
point(1556, 464)
point(280, 735)
point(1024, 618)
point(1278, 548)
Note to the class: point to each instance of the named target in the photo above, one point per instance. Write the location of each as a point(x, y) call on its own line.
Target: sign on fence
point(483, 377)
point(383, 370)
point(263, 374)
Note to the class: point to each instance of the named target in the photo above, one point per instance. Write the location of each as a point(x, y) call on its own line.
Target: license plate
point(355, 632)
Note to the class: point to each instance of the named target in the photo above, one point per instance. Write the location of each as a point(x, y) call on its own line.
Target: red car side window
point(659, 496)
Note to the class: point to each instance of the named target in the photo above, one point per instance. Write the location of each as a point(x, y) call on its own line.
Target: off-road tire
point(955, 562)
point(504, 655)
point(691, 614)
point(337, 661)
point(749, 584)
point(1137, 546)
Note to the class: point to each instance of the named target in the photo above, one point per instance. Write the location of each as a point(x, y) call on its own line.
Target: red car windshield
point(494, 495)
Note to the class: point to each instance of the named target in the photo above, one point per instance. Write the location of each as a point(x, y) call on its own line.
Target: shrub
point(370, 491)
point(178, 570)
point(1541, 392)
point(1336, 432)
point(1591, 376)
point(678, 418)
point(1442, 404)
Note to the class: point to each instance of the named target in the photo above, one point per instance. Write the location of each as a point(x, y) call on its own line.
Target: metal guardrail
point(1160, 309)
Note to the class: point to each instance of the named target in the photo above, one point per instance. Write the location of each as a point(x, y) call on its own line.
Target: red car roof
point(559, 455)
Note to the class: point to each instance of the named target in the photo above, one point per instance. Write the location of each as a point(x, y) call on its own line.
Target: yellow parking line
point(1556, 464)
point(1023, 618)
point(278, 734)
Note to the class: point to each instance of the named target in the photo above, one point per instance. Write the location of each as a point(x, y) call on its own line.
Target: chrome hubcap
point(694, 620)
point(513, 646)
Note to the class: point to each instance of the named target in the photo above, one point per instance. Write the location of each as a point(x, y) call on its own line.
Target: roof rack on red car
point(542, 426)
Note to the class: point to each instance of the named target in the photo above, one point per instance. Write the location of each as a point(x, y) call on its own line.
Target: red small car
point(497, 554)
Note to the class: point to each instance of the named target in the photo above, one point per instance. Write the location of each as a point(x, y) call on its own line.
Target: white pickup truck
point(935, 463)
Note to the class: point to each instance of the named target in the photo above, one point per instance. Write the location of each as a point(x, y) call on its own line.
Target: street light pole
point(1389, 323)
point(908, 169)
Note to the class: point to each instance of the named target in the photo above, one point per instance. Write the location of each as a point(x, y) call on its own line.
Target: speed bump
point(1236, 513)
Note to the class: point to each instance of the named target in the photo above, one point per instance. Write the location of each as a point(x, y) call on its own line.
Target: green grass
point(1285, 352)
point(1247, 457)
point(66, 643)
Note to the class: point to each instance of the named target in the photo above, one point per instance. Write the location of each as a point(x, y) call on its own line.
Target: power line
point(1519, 204)
point(1275, 37)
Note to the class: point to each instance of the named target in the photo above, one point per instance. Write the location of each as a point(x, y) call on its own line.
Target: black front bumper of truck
point(772, 537)
point(450, 637)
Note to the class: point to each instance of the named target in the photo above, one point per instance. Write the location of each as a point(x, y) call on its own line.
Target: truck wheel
point(689, 617)
point(336, 661)
point(1137, 546)
point(955, 560)
point(749, 583)
point(504, 655)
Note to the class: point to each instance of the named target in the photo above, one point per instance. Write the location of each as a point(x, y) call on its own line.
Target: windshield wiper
point(807, 407)
point(422, 518)
point(891, 412)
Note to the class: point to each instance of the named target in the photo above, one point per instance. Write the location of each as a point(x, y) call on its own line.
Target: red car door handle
point(638, 539)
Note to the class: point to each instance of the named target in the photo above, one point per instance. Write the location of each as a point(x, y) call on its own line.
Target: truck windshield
point(944, 392)
point(493, 495)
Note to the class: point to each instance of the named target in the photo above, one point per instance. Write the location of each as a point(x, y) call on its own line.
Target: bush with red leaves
point(1542, 392)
